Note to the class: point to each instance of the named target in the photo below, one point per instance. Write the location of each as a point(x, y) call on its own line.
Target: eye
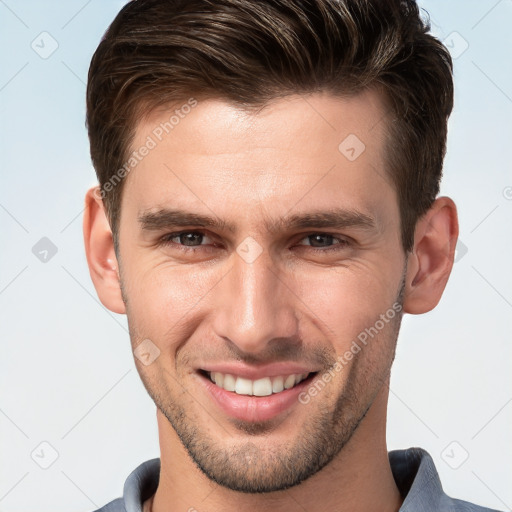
point(194, 240)
point(327, 241)
point(185, 239)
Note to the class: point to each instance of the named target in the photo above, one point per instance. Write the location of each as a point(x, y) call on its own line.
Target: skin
point(291, 303)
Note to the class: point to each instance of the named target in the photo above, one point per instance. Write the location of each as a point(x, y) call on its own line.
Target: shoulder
point(449, 504)
point(116, 505)
point(417, 478)
point(141, 483)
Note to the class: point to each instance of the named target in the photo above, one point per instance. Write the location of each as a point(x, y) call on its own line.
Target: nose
point(255, 306)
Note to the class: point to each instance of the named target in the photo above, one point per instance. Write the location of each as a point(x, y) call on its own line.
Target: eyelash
point(166, 241)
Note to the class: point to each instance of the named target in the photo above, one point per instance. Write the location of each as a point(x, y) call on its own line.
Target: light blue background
point(67, 374)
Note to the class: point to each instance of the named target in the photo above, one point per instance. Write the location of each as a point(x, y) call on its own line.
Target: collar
point(413, 470)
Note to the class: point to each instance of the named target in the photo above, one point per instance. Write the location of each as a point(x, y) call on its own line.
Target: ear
point(431, 260)
point(99, 249)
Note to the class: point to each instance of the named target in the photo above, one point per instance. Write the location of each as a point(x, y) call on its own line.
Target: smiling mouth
point(265, 386)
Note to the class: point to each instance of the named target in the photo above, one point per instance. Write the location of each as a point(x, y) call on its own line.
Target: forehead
point(216, 126)
point(294, 149)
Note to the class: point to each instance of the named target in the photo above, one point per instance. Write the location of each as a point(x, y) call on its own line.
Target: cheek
point(343, 303)
point(164, 299)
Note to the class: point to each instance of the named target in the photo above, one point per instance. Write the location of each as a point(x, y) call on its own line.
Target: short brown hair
point(248, 52)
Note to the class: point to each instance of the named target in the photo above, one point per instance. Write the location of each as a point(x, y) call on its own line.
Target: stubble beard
point(254, 465)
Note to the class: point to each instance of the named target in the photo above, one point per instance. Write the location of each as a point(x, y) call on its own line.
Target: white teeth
point(218, 378)
point(277, 384)
point(289, 382)
point(261, 387)
point(243, 386)
point(229, 382)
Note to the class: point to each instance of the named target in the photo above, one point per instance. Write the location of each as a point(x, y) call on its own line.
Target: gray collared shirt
point(413, 470)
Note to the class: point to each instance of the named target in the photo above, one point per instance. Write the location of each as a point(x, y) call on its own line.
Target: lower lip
point(254, 408)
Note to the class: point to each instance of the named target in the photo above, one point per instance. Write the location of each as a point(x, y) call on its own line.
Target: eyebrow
point(338, 218)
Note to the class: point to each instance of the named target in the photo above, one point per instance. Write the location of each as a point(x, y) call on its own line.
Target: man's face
point(270, 290)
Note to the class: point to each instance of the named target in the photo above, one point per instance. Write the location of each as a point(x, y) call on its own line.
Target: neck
point(358, 479)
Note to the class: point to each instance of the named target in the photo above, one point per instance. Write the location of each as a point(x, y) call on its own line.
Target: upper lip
point(257, 372)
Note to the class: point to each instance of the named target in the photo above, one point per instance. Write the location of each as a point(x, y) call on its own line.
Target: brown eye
point(326, 241)
point(190, 239)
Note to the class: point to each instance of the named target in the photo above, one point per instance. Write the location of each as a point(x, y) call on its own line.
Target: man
point(266, 212)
